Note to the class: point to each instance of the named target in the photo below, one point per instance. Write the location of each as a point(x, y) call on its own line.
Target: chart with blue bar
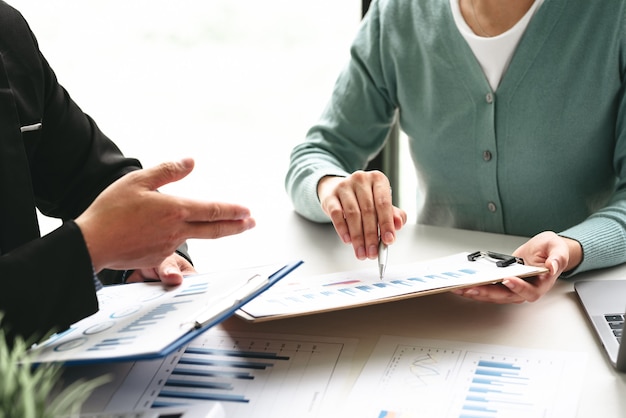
point(443, 379)
point(364, 287)
point(249, 374)
point(149, 320)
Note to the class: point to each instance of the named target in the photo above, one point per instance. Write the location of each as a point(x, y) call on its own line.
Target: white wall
point(234, 84)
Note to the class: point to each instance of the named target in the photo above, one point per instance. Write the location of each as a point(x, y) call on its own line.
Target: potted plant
point(25, 389)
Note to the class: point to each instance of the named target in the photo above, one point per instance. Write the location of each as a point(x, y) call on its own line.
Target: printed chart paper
point(149, 320)
point(407, 377)
point(364, 287)
point(250, 374)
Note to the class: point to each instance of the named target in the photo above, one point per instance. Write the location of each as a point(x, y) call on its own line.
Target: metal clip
point(501, 260)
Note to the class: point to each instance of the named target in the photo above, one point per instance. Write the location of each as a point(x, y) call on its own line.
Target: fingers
point(152, 224)
point(218, 229)
point(165, 173)
point(527, 291)
point(361, 210)
point(399, 218)
point(357, 201)
point(331, 205)
point(384, 212)
point(170, 271)
point(495, 293)
point(546, 249)
point(335, 211)
point(514, 289)
point(511, 290)
point(199, 211)
point(209, 220)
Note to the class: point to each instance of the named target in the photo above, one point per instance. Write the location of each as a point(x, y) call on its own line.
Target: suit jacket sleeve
point(59, 164)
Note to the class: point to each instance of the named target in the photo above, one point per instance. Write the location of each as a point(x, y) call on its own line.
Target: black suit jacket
point(54, 157)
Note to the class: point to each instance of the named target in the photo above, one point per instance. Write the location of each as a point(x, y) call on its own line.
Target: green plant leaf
point(25, 387)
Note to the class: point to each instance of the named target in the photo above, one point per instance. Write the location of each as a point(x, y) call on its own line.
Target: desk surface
point(555, 322)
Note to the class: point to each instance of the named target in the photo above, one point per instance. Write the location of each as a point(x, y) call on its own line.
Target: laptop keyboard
point(616, 323)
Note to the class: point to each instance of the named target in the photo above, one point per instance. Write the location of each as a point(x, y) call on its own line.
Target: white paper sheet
point(140, 320)
point(250, 374)
point(363, 287)
point(407, 377)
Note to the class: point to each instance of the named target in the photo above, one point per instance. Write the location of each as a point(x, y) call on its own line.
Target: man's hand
point(130, 225)
point(170, 272)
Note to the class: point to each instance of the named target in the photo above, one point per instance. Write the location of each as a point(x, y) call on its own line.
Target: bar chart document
point(149, 320)
point(249, 374)
point(364, 287)
point(441, 379)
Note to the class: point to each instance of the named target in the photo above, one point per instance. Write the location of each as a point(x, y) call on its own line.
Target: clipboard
point(142, 321)
point(359, 288)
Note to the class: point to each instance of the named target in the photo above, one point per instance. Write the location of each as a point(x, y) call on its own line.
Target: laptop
point(604, 302)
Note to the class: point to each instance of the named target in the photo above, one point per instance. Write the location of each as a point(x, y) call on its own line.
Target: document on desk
point(250, 374)
point(364, 287)
point(148, 320)
point(407, 377)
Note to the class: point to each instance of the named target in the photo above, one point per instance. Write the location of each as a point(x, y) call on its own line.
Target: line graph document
point(407, 377)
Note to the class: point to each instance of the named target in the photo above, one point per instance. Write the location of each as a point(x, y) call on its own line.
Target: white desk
point(556, 321)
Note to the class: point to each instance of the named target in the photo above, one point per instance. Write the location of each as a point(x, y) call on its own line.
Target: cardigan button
point(491, 207)
point(489, 98)
point(487, 155)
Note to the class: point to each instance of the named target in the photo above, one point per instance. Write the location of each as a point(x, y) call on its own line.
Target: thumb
point(167, 172)
point(170, 273)
point(553, 266)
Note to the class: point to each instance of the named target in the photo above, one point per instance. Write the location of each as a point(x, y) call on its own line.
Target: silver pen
point(382, 257)
point(383, 251)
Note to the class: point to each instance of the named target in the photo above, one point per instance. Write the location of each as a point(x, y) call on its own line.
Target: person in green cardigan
point(515, 116)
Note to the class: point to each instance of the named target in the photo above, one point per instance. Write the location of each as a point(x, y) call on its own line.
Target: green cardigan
point(544, 152)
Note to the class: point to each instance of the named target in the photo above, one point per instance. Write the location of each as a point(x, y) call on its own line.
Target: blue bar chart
point(248, 374)
point(148, 320)
point(503, 388)
point(442, 379)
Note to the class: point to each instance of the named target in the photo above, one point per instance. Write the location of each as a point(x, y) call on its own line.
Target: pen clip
point(501, 260)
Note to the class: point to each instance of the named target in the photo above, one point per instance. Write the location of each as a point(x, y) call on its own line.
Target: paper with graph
point(149, 320)
point(364, 287)
point(408, 377)
point(250, 374)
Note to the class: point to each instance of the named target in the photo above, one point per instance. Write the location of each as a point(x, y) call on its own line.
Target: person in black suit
point(54, 157)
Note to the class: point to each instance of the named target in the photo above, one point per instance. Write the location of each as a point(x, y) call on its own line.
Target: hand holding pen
point(361, 210)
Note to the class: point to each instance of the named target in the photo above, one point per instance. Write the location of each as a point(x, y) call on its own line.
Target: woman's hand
point(547, 249)
point(361, 210)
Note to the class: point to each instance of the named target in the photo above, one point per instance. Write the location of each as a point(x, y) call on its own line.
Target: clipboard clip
point(501, 260)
